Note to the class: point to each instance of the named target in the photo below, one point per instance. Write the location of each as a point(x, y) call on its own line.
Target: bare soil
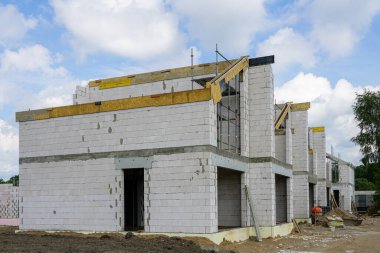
point(318, 239)
point(313, 239)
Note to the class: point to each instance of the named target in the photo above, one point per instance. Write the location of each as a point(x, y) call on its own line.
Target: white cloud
point(231, 24)
point(8, 137)
point(33, 58)
point(136, 29)
point(13, 24)
point(331, 106)
point(337, 26)
point(289, 48)
point(8, 149)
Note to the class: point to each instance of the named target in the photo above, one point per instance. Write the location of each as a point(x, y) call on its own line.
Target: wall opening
point(228, 116)
point(312, 201)
point(281, 199)
point(328, 196)
point(229, 198)
point(336, 197)
point(134, 199)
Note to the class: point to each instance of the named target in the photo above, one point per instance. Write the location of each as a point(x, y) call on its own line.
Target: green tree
point(367, 114)
point(2, 181)
point(13, 180)
point(362, 184)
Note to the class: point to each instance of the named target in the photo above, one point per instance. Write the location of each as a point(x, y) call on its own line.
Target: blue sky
point(325, 51)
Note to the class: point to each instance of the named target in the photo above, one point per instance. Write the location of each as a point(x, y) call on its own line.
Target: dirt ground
point(313, 239)
point(361, 239)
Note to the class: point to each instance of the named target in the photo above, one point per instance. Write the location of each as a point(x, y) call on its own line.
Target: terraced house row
point(196, 149)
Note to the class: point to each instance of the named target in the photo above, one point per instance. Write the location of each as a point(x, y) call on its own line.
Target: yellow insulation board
point(123, 104)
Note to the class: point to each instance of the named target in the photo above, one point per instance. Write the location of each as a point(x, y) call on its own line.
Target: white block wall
point(8, 201)
point(145, 128)
point(229, 198)
point(261, 112)
point(301, 196)
point(281, 147)
point(318, 140)
point(72, 195)
point(262, 189)
point(93, 94)
point(300, 141)
point(181, 194)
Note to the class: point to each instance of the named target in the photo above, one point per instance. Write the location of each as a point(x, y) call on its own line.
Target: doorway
point(336, 197)
point(281, 199)
point(134, 199)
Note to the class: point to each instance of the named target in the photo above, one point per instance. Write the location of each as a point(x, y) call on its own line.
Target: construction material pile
point(339, 217)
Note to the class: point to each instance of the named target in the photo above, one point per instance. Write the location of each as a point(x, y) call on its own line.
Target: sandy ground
point(361, 239)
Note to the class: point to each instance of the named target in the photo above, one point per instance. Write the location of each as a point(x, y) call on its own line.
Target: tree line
point(13, 180)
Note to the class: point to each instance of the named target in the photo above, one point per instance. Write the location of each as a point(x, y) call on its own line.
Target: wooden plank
point(257, 229)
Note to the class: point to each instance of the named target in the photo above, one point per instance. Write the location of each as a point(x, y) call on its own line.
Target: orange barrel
point(316, 211)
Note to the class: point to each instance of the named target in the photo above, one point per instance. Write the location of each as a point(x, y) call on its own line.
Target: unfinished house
point(343, 181)
point(293, 147)
point(8, 205)
point(167, 151)
point(317, 161)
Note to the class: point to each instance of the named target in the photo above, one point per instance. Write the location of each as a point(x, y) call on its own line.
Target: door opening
point(134, 199)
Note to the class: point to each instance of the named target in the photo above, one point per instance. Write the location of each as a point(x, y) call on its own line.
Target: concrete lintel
point(277, 169)
point(312, 178)
point(229, 163)
point(133, 162)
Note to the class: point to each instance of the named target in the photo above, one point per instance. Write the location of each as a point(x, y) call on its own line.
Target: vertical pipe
point(228, 117)
point(192, 69)
point(236, 114)
point(216, 60)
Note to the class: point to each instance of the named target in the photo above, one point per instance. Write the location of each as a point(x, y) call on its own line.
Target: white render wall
point(144, 128)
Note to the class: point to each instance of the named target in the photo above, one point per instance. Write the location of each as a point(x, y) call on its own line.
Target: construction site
point(201, 153)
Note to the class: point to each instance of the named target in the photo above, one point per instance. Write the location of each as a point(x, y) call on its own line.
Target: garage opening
point(311, 197)
point(229, 198)
point(281, 199)
point(134, 199)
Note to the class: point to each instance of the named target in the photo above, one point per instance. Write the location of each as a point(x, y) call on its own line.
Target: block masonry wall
point(300, 160)
point(8, 202)
point(145, 128)
point(318, 145)
point(92, 94)
point(261, 112)
point(71, 195)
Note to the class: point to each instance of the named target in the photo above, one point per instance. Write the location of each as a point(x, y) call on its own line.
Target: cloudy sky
point(325, 50)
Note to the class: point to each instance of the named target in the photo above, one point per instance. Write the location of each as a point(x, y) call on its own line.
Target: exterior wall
point(181, 194)
point(301, 196)
point(9, 205)
point(145, 128)
point(300, 141)
point(261, 112)
point(300, 146)
point(244, 115)
point(71, 195)
point(262, 190)
point(281, 147)
point(92, 94)
point(229, 198)
point(318, 140)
